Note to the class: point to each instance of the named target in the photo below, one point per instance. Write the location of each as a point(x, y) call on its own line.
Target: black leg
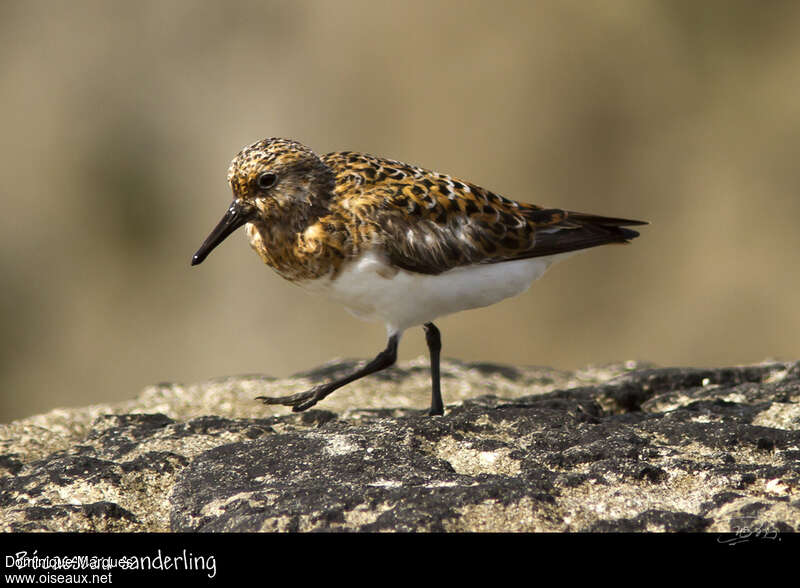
point(303, 400)
point(434, 339)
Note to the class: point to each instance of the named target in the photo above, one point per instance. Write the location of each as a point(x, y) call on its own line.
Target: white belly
point(405, 299)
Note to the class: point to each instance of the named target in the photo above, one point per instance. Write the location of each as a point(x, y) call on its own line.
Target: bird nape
point(393, 242)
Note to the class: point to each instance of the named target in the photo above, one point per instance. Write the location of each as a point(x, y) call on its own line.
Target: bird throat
point(295, 248)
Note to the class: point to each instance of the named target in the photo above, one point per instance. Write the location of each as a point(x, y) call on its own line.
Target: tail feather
point(581, 217)
point(581, 231)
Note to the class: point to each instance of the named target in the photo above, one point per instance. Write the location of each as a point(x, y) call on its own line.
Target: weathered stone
point(619, 448)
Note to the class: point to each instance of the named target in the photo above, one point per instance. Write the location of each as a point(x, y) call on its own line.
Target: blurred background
point(119, 120)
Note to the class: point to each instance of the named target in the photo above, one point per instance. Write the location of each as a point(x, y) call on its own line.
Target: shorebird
point(393, 242)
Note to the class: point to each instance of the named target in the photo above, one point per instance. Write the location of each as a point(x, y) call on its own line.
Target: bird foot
point(300, 401)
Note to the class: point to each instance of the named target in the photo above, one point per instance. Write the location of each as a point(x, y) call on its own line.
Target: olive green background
point(119, 120)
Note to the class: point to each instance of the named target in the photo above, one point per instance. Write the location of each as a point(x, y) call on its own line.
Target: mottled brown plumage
point(393, 241)
point(324, 211)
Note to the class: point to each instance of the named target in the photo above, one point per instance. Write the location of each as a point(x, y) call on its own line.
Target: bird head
point(274, 182)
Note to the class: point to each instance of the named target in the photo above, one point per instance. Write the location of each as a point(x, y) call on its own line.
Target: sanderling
point(393, 242)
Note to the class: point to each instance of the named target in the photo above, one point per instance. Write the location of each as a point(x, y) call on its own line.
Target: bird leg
point(434, 339)
point(304, 400)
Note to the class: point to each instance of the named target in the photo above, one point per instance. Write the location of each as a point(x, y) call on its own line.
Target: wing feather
point(429, 222)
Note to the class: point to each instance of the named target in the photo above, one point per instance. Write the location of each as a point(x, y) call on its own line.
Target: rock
point(621, 448)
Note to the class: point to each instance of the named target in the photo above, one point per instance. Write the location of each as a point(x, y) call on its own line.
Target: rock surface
point(625, 447)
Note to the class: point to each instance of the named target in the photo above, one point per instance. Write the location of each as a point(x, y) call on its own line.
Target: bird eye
point(266, 180)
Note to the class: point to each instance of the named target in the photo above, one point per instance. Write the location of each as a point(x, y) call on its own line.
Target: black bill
point(233, 219)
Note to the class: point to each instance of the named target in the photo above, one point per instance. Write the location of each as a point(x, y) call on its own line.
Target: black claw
point(291, 400)
point(300, 401)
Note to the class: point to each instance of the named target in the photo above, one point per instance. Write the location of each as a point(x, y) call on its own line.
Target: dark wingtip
point(197, 259)
point(628, 234)
point(606, 221)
